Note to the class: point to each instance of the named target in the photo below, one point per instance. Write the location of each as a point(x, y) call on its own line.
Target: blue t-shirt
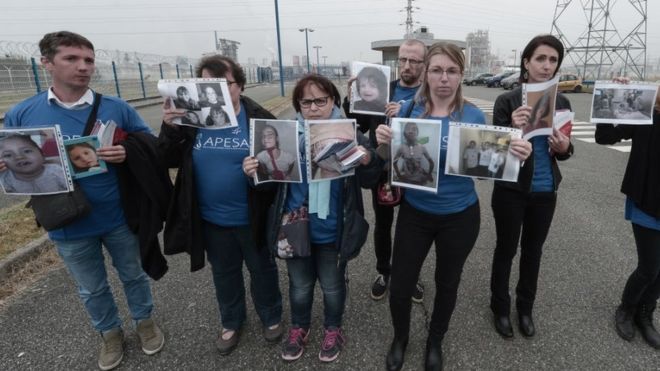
point(637, 216)
point(403, 93)
point(542, 181)
point(221, 185)
point(454, 193)
point(101, 190)
point(321, 231)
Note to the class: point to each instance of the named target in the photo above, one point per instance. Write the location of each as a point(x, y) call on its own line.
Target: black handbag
point(56, 211)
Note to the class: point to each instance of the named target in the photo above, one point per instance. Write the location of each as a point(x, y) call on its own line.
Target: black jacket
point(641, 182)
point(352, 228)
point(368, 123)
point(183, 227)
point(505, 104)
point(146, 189)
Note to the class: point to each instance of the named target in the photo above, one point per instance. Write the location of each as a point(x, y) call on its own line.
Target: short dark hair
point(534, 43)
point(321, 82)
point(219, 65)
point(377, 77)
point(51, 41)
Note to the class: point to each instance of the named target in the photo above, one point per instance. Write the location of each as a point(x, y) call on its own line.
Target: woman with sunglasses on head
point(217, 214)
point(641, 185)
point(523, 210)
point(337, 228)
point(449, 218)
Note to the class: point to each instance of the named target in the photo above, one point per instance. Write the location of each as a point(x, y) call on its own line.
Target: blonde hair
point(423, 96)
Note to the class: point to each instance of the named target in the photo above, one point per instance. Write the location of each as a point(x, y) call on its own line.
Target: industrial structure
point(604, 50)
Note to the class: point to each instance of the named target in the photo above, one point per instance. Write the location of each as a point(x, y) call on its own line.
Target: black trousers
point(525, 218)
point(643, 285)
point(382, 232)
point(454, 236)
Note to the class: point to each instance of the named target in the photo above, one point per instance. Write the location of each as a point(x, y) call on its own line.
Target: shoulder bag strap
point(92, 115)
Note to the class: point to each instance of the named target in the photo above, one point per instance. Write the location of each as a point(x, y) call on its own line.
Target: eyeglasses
point(413, 62)
point(229, 82)
point(320, 102)
point(452, 73)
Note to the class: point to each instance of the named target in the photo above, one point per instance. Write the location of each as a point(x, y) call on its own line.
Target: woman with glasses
point(336, 227)
point(641, 185)
point(449, 218)
point(216, 214)
point(523, 210)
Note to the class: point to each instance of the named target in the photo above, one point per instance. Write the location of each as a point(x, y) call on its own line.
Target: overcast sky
point(344, 29)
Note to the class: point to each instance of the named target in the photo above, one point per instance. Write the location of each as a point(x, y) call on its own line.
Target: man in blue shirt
point(69, 58)
point(411, 65)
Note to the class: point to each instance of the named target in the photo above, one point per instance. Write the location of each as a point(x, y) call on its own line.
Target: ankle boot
point(394, 359)
point(644, 321)
point(433, 359)
point(623, 322)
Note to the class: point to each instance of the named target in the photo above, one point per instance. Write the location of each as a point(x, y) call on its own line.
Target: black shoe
point(394, 359)
point(379, 287)
point(644, 321)
point(418, 294)
point(526, 325)
point(503, 326)
point(433, 359)
point(623, 323)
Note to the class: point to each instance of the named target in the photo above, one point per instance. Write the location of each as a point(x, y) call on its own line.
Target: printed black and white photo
point(206, 101)
point(415, 153)
point(32, 162)
point(481, 151)
point(332, 150)
point(275, 145)
point(371, 88)
point(541, 97)
point(630, 104)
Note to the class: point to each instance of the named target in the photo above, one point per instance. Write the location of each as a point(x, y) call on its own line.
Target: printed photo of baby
point(83, 160)
point(30, 164)
point(370, 90)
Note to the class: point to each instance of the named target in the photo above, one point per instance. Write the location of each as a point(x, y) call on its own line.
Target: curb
point(18, 258)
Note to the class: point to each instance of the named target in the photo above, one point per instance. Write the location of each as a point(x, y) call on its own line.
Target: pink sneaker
point(333, 343)
point(294, 345)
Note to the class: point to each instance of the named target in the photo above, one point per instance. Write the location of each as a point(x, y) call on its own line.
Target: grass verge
point(24, 276)
point(17, 228)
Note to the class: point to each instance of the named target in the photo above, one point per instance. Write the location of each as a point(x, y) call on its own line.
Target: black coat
point(352, 228)
point(641, 182)
point(505, 104)
point(146, 189)
point(183, 227)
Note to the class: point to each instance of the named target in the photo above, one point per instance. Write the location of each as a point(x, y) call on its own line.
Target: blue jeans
point(85, 261)
point(226, 249)
point(303, 272)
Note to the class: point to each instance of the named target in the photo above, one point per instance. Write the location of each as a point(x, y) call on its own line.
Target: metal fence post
point(144, 92)
point(191, 71)
point(160, 66)
point(114, 72)
point(35, 71)
point(178, 75)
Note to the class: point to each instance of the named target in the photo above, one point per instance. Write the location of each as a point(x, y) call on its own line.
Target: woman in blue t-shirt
point(336, 228)
point(641, 185)
point(523, 210)
point(216, 214)
point(449, 218)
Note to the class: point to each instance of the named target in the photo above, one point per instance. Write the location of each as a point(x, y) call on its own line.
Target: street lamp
point(318, 65)
point(514, 56)
point(305, 30)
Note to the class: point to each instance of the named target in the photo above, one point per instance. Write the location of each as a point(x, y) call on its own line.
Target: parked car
point(511, 82)
point(494, 82)
point(480, 79)
point(570, 82)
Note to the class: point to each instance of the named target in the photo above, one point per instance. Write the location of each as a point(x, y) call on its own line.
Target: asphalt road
point(587, 257)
